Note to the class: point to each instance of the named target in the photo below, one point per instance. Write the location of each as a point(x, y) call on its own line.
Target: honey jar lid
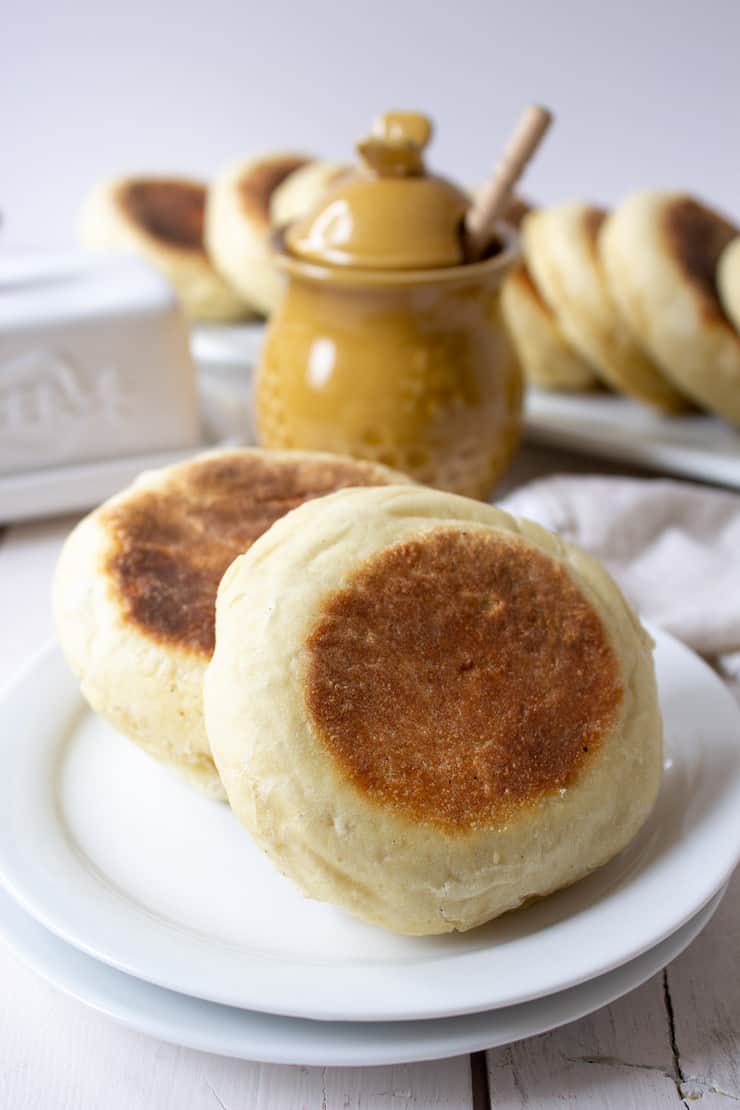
point(390, 214)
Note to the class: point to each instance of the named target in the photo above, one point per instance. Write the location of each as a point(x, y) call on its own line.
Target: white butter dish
point(94, 363)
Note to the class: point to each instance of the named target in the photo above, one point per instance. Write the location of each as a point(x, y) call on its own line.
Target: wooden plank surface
point(619, 1057)
point(56, 1054)
point(675, 1039)
point(704, 986)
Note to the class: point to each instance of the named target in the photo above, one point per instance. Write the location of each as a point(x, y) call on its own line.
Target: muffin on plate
point(161, 219)
point(239, 225)
point(660, 252)
point(135, 586)
point(427, 711)
point(728, 280)
point(561, 248)
point(547, 359)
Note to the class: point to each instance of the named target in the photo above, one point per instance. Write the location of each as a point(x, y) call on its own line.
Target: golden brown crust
point(461, 677)
point(258, 185)
point(696, 236)
point(169, 210)
point(171, 546)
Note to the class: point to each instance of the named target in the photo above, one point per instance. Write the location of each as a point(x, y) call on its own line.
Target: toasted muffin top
point(260, 182)
point(461, 676)
point(695, 237)
point(168, 209)
point(171, 542)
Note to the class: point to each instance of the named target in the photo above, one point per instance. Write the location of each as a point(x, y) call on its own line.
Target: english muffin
point(428, 712)
point(161, 219)
point(728, 280)
point(238, 225)
point(547, 359)
point(135, 586)
point(561, 252)
point(660, 254)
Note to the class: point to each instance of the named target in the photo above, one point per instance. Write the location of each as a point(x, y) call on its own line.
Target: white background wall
point(645, 93)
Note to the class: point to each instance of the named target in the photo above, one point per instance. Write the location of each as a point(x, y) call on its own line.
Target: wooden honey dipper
point(481, 217)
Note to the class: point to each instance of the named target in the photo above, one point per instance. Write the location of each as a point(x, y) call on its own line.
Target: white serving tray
point(612, 427)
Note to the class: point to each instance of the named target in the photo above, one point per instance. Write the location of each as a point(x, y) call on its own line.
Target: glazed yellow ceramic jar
point(370, 354)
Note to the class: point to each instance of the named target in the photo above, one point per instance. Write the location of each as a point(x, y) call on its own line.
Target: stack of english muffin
point(423, 710)
point(212, 242)
point(644, 300)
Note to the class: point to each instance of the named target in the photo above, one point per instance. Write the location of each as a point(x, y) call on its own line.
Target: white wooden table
point(674, 1041)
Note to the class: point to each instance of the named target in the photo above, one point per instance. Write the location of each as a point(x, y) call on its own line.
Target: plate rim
point(479, 1031)
point(37, 906)
point(629, 432)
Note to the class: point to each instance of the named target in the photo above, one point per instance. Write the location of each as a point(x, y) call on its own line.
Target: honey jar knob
point(411, 127)
point(396, 143)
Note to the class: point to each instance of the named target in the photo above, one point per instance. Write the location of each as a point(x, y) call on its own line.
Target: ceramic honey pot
point(388, 344)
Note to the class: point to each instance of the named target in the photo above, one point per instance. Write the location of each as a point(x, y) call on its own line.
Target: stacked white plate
point(130, 891)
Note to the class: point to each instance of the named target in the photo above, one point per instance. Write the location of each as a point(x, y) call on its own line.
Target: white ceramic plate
point(613, 427)
point(116, 856)
point(278, 1040)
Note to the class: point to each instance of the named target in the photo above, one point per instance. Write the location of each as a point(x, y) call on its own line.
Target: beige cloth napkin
point(673, 547)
